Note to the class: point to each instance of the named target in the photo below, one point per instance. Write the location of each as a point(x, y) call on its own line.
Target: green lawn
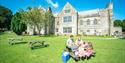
point(107, 50)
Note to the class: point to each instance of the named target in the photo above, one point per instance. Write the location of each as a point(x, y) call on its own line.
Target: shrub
point(16, 25)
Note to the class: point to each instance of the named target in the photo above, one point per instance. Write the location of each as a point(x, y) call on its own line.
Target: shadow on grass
point(40, 46)
point(1, 33)
point(19, 43)
point(123, 38)
point(48, 36)
point(77, 59)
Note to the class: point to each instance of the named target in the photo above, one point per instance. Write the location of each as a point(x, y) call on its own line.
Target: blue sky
point(57, 5)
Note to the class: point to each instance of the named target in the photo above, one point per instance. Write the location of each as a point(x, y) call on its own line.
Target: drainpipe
point(109, 19)
point(77, 23)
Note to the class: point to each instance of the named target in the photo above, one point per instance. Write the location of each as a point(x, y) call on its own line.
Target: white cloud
point(52, 3)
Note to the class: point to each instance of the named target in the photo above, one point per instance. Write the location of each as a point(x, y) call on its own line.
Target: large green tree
point(50, 20)
point(120, 23)
point(17, 25)
point(38, 18)
point(34, 17)
point(123, 25)
point(5, 18)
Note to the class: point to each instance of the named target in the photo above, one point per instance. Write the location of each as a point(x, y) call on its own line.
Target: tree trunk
point(109, 19)
point(34, 30)
point(39, 28)
point(39, 32)
point(49, 26)
point(45, 31)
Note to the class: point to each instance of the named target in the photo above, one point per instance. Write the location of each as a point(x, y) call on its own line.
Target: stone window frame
point(88, 30)
point(67, 19)
point(67, 11)
point(95, 22)
point(88, 22)
point(57, 29)
point(67, 29)
point(81, 22)
point(57, 22)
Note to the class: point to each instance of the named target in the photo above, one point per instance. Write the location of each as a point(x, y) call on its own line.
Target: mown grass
point(107, 50)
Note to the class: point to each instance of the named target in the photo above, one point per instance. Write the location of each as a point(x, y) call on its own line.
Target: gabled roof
point(68, 4)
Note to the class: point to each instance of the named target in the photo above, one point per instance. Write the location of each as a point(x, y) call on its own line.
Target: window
point(103, 15)
point(81, 30)
point(67, 18)
point(88, 22)
point(67, 11)
point(95, 22)
point(56, 29)
point(95, 31)
point(81, 22)
point(57, 22)
point(88, 30)
point(67, 29)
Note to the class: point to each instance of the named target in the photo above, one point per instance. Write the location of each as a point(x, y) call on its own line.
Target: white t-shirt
point(70, 42)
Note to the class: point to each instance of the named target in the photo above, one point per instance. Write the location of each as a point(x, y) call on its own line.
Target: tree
point(5, 18)
point(118, 23)
point(123, 25)
point(17, 25)
point(38, 18)
point(34, 17)
point(49, 22)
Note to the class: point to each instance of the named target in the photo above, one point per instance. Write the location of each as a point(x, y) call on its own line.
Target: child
point(90, 45)
point(89, 50)
point(79, 41)
point(81, 52)
point(83, 44)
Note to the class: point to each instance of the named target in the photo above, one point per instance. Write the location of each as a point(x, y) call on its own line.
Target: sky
point(57, 5)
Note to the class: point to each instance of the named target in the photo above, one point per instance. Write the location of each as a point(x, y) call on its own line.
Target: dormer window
point(67, 11)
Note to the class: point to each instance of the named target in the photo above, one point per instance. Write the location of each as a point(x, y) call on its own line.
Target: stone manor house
point(90, 22)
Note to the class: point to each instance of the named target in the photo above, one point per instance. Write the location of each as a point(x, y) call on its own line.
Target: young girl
point(89, 50)
point(81, 52)
point(79, 41)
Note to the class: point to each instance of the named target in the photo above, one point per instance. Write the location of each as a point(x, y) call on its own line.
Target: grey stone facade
point(91, 22)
